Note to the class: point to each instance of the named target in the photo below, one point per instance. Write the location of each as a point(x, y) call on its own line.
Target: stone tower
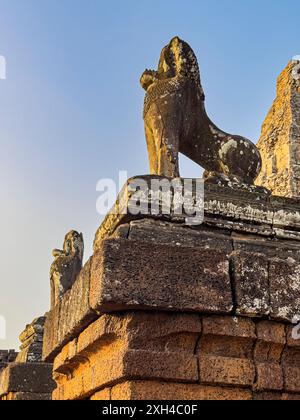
point(280, 138)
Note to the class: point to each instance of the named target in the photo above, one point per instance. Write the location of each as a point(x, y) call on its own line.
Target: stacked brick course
point(168, 356)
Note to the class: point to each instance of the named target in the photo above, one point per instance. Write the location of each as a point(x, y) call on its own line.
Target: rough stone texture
point(225, 352)
point(66, 266)
point(176, 121)
point(269, 247)
point(291, 369)
point(104, 395)
point(70, 316)
point(145, 266)
point(23, 396)
point(153, 346)
point(268, 396)
point(268, 356)
point(161, 356)
point(160, 391)
point(27, 379)
point(24, 376)
point(285, 289)
point(32, 342)
point(226, 209)
point(166, 233)
point(291, 340)
point(251, 284)
point(136, 274)
point(150, 311)
point(279, 144)
point(7, 356)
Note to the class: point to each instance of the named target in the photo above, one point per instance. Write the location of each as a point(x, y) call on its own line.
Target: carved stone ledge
point(225, 208)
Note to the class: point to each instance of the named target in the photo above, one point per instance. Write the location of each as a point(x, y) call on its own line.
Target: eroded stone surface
point(157, 391)
point(225, 209)
point(279, 144)
point(251, 284)
point(66, 266)
point(137, 275)
point(271, 341)
point(225, 351)
point(155, 355)
point(154, 264)
point(70, 316)
point(29, 378)
point(157, 346)
point(284, 278)
point(7, 356)
point(32, 342)
point(159, 232)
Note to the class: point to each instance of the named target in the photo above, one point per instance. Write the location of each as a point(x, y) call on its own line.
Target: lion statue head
point(177, 60)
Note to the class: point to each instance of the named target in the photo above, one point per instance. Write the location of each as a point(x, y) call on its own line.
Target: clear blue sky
point(71, 110)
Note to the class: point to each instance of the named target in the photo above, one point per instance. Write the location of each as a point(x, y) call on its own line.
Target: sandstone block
point(136, 346)
point(271, 340)
point(226, 351)
point(216, 370)
point(229, 326)
point(104, 395)
point(291, 397)
point(271, 332)
point(160, 391)
point(292, 331)
point(179, 235)
point(284, 289)
point(27, 378)
point(269, 377)
point(267, 396)
point(176, 367)
point(251, 284)
point(291, 368)
point(141, 275)
point(23, 396)
point(270, 247)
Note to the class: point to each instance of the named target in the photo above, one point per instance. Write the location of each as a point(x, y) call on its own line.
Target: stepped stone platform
point(163, 310)
point(25, 376)
point(26, 381)
point(7, 356)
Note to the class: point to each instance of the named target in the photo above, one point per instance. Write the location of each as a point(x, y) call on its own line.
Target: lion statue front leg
point(162, 136)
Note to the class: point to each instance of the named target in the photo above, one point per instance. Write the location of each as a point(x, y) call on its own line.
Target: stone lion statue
point(66, 266)
point(176, 122)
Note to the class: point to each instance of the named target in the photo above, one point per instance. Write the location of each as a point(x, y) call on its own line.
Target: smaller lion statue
point(66, 266)
point(176, 122)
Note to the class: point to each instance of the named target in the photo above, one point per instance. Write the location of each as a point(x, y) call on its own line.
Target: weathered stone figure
point(66, 266)
point(176, 121)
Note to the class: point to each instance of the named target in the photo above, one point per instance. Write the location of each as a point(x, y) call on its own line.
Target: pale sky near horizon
point(71, 110)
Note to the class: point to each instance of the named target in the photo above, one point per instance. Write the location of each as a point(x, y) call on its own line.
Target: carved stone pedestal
point(167, 311)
